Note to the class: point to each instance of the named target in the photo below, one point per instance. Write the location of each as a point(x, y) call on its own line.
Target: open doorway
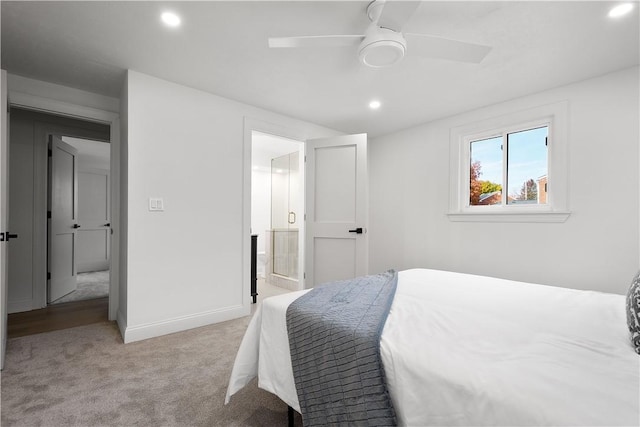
point(89, 279)
point(30, 205)
point(277, 209)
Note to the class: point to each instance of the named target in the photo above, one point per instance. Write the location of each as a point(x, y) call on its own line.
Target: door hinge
point(48, 275)
point(50, 153)
point(546, 141)
point(48, 214)
point(304, 275)
point(305, 158)
point(545, 187)
point(304, 217)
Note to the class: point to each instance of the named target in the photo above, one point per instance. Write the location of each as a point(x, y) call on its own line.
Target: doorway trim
point(48, 105)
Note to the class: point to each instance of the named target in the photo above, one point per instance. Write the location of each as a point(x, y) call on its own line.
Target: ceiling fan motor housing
point(381, 47)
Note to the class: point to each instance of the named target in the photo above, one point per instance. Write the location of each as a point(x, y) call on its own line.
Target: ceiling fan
point(383, 44)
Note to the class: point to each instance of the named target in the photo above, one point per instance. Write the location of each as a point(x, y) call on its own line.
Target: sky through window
point(527, 158)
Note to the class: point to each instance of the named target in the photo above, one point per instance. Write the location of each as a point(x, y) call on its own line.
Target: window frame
point(504, 133)
point(555, 210)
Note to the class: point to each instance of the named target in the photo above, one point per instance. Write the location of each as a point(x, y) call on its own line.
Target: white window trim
point(555, 210)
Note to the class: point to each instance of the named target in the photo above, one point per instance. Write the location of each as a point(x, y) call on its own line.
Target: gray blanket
point(334, 337)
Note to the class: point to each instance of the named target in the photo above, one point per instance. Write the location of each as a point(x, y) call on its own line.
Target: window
point(511, 168)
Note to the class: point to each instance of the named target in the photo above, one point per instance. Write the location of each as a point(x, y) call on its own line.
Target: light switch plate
point(156, 204)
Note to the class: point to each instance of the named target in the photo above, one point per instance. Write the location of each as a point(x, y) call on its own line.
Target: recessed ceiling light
point(621, 9)
point(375, 104)
point(170, 19)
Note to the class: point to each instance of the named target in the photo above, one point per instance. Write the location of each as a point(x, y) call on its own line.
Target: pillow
point(633, 312)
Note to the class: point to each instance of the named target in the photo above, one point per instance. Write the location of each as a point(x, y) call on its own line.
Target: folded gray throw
point(334, 337)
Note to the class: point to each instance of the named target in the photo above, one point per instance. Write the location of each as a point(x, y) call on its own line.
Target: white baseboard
point(156, 329)
point(19, 306)
point(122, 323)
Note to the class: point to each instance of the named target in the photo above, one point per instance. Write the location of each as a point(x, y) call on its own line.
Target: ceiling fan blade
point(315, 41)
point(438, 47)
point(396, 13)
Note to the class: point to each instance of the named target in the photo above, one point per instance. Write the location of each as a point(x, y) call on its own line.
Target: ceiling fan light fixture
point(383, 44)
point(381, 47)
point(383, 53)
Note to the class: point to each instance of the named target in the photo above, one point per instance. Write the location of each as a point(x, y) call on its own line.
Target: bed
point(460, 349)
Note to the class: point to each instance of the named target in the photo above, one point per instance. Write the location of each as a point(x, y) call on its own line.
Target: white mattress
point(460, 349)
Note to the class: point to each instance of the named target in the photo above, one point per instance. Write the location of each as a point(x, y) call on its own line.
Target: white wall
point(260, 210)
point(185, 265)
point(91, 154)
point(596, 248)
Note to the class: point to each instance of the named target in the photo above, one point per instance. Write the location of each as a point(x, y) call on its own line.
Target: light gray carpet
point(86, 376)
point(91, 285)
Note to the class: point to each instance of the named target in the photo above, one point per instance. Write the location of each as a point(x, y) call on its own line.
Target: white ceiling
point(221, 48)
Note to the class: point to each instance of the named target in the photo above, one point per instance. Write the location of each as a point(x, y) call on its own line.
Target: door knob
point(357, 230)
point(5, 236)
point(107, 224)
point(76, 225)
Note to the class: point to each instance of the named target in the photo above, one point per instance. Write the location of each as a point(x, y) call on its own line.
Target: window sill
point(508, 216)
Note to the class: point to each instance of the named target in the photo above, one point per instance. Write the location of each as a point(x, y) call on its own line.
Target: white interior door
point(4, 223)
point(336, 209)
point(64, 219)
point(93, 214)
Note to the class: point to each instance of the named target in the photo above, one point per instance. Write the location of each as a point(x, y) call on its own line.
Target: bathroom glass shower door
point(285, 209)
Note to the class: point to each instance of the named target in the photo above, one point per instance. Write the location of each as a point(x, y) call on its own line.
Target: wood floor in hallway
point(58, 316)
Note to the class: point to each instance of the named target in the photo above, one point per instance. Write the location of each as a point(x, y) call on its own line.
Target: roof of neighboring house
point(485, 196)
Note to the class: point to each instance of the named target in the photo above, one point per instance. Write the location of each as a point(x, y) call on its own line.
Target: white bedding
point(460, 349)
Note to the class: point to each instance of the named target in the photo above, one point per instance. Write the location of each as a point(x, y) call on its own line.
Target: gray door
point(336, 209)
point(63, 223)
